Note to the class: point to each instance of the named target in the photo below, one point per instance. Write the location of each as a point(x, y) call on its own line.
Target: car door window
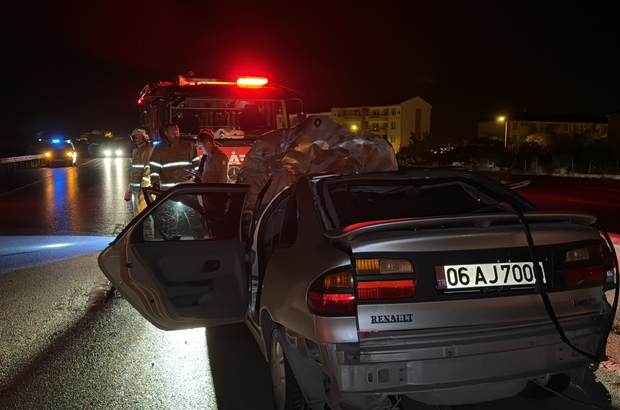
point(279, 229)
point(271, 232)
point(188, 217)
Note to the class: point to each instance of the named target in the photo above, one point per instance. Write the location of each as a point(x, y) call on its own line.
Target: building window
point(565, 127)
point(514, 125)
point(375, 113)
point(393, 125)
point(393, 111)
point(385, 112)
point(375, 126)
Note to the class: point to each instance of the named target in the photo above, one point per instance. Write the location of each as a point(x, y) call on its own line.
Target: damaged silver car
point(362, 283)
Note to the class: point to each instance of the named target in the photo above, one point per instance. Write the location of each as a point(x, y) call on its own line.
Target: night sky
point(74, 66)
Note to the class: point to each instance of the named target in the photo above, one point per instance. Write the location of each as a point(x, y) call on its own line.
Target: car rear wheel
point(286, 392)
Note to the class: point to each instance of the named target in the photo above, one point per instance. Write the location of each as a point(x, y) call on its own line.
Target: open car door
point(181, 261)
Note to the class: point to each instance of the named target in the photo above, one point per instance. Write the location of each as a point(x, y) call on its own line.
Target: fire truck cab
point(237, 111)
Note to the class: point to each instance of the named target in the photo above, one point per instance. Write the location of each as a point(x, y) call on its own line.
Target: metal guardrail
point(26, 161)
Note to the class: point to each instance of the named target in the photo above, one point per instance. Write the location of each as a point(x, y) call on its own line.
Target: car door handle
point(211, 266)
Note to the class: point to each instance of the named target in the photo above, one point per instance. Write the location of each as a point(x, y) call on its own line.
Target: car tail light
point(383, 266)
point(336, 293)
point(333, 294)
point(586, 265)
point(386, 289)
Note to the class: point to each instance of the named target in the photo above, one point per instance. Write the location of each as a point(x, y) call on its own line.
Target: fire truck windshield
point(228, 119)
point(231, 111)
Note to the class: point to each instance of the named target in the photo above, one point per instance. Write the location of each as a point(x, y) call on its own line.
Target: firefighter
point(215, 164)
point(139, 174)
point(170, 159)
point(213, 169)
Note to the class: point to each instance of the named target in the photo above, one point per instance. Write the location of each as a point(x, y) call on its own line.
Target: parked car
point(441, 285)
point(60, 152)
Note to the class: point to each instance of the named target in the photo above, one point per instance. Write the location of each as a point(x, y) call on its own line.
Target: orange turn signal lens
point(383, 266)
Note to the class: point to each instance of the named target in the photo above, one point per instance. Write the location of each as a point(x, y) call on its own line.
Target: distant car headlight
point(119, 152)
point(107, 152)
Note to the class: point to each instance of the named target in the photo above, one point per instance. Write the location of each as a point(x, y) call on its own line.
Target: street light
point(505, 121)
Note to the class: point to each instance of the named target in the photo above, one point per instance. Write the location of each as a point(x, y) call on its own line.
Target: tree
point(412, 154)
point(580, 151)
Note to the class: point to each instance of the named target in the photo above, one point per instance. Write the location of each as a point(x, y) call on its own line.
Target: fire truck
point(238, 111)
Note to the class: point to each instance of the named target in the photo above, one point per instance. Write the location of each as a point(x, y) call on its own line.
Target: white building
point(514, 129)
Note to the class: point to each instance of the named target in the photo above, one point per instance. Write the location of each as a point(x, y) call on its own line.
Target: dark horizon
point(80, 68)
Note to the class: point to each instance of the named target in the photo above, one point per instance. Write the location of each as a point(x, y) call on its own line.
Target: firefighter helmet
point(140, 131)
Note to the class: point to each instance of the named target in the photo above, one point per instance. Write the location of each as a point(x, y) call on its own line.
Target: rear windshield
point(345, 203)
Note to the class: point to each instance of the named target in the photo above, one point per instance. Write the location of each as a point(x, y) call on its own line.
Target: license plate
point(486, 275)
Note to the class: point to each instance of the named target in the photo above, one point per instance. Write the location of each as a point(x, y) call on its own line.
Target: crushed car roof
point(317, 145)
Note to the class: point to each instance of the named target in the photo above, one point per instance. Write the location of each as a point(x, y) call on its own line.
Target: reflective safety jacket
point(168, 162)
point(139, 174)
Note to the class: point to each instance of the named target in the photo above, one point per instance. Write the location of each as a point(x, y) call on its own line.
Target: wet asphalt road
point(61, 347)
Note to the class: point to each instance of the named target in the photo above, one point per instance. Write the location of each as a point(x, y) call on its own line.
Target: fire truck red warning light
point(252, 81)
point(246, 82)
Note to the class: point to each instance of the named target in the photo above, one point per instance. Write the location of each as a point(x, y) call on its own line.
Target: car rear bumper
point(461, 368)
